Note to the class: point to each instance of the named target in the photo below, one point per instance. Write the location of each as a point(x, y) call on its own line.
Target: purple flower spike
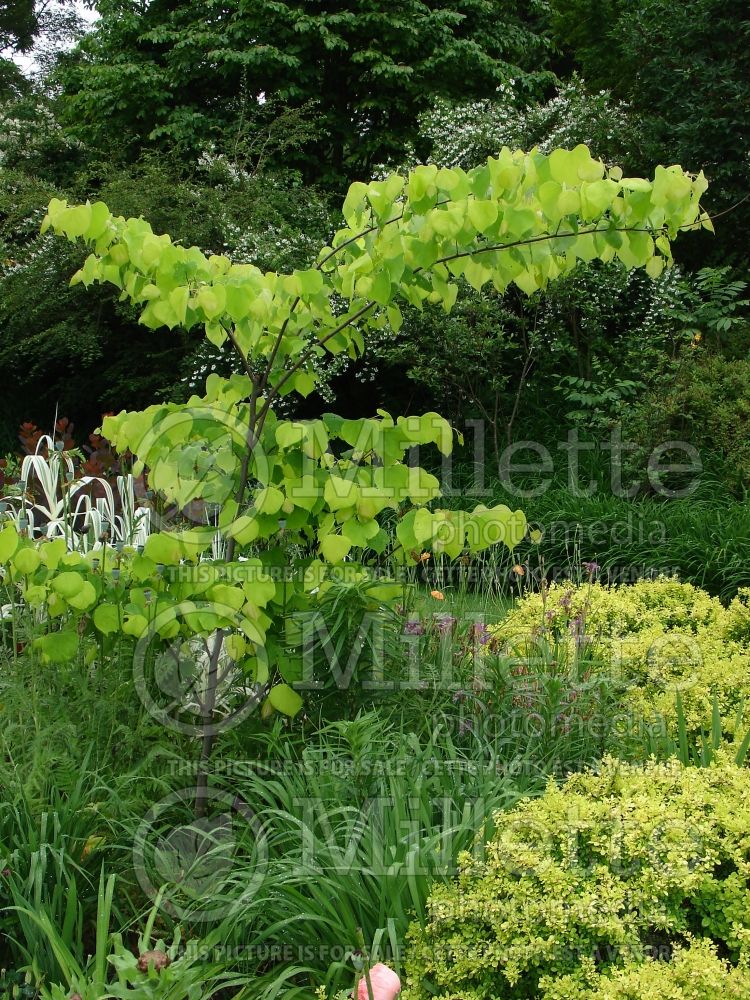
point(413, 627)
point(445, 623)
point(481, 633)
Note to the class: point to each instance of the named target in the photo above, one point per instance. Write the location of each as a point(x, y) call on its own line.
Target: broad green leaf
point(227, 597)
point(244, 530)
point(340, 493)
point(162, 548)
point(52, 552)
point(212, 299)
point(9, 539)
point(395, 318)
point(107, 618)
point(27, 560)
point(57, 647)
point(289, 434)
point(285, 699)
point(135, 625)
point(304, 383)
point(76, 221)
point(269, 500)
point(423, 525)
point(354, 199)
point(84, 599)
point(358, 532)
point(310, 282)
point(334, 548)
point(67, 585)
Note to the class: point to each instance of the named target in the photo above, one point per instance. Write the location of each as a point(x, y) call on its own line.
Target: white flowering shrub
point(466, 133)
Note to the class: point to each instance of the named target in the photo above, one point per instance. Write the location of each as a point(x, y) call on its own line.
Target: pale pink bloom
point(385, 984)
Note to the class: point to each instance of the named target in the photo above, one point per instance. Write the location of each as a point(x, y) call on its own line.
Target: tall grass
point(700, 752)
point(44, 853)
point(357, 824)
point(703, 538)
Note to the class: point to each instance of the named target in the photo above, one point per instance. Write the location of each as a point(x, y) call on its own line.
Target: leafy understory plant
point(155, 970)
point(309, 495)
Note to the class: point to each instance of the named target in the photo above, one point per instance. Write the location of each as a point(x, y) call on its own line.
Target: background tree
point(17, 25)
point(180, 74)
point(685, 70)
point(42, 25)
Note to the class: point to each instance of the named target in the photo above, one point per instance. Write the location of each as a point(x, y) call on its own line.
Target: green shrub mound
point(694, 973)
point(706, 403)
point(631, 882)
point(678, 654)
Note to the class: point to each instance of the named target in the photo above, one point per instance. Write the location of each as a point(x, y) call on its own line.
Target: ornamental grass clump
point(613, 885)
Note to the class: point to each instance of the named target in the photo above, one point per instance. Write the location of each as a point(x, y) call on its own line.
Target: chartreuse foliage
point(581, 890)
point(90, 599)
point(525, 218)
point(680, 655)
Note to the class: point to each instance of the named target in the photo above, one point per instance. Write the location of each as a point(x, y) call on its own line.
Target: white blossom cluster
point(465, 134)
point(26, 137)
point(220, 165)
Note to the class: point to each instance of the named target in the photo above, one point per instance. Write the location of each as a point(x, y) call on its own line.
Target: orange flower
point(424, 557)
point(519, 570)
point(438, 595)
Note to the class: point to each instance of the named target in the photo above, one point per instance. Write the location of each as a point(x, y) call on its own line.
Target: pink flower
point(385, 984)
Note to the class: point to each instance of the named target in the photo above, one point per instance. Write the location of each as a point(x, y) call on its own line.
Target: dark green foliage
point(685, 68)
point(84, 355)
point(707, 402)
point(467, 360)
point(17, 24)
point(185, 74)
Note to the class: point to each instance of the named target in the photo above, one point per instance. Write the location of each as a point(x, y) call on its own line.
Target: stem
point(543, 237)
point(251, 441)
point(267, 373)
point(359, 236)
point(209, 733)
point(305, 356)
point(243, 357)
point(366, 962)
point(528, 362)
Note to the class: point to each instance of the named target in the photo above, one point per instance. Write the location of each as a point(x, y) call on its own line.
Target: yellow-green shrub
point(694, 973)
point(591, 878)
point(616, 610)
point(657, 638)
point(737, 625)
